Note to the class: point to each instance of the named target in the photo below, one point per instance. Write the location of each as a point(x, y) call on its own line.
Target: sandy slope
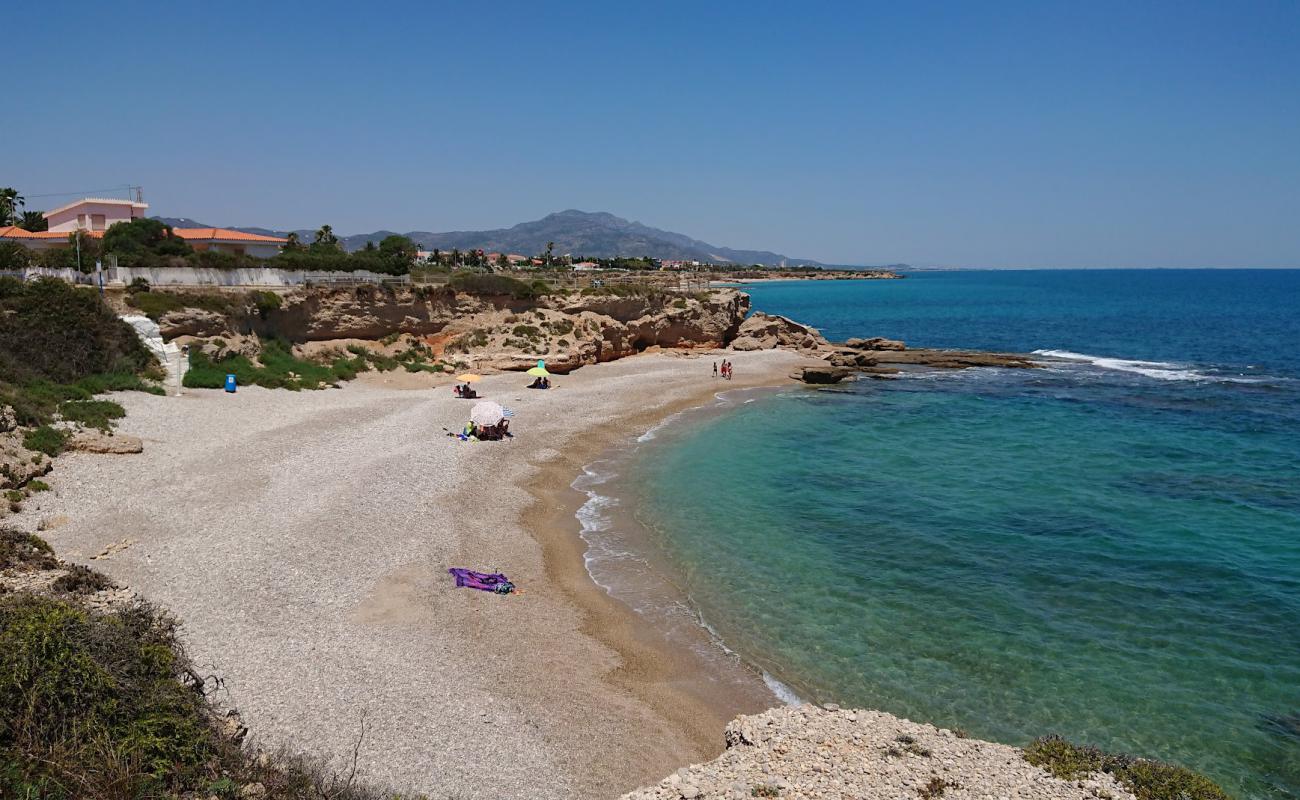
point(303, 538)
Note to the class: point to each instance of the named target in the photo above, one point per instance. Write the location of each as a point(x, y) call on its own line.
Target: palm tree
point(549, 247)
point(10, 200)
point(34, 221)
point(326, 235)
point(292, 242)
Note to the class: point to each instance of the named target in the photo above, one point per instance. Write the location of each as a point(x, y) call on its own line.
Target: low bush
point(154, 304)
point(279, 369)
point(491, 285)
point(80, 580)
point(92, 413)
point(26, 550)
point(45, 439)
point(109, 706)
point(50, 330)
point(1147, 779)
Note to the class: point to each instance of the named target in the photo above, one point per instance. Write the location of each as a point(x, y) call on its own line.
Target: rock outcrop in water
point(810, 752)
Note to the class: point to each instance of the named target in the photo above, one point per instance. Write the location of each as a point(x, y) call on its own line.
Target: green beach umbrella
point(539, 370)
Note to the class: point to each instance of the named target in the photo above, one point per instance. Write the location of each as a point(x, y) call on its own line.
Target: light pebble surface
point(303, 539)
point(812, 752)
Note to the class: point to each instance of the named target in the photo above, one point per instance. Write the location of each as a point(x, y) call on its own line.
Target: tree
point(398, 247)
point(292, 244)
point(10, 202)
point(437, 257)
point(455, 257)
point(550, 247)
point(326, 242)
point(143, 236)
point(34, 221)
point(14, 257)
point(502, 261)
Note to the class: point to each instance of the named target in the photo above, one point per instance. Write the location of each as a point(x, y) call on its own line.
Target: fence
point(266, 277)
point(249, 277)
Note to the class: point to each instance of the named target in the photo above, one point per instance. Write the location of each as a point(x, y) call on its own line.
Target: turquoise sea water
point(1108, 549)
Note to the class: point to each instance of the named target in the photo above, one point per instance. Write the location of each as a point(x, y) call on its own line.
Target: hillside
point(580, 233)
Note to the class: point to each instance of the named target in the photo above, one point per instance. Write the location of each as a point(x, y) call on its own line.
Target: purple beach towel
point(483, 581)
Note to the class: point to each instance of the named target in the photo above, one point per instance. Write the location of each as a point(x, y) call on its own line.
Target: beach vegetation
point(764, 790)
point(1147, 779)
point(484, 284)
point(45, 439)
point(266, 302)
point(25, 550)
point(97, 414)
point(37, 485)
point(156, 304)
point(110, 706)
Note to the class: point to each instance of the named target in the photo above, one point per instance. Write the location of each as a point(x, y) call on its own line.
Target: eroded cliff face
point(567, 330)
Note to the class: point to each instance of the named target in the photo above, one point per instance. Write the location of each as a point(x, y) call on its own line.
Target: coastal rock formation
point(879, 356)
point(822, 374)
point(806, 751)
point(763, 331)
point(18, 465)
point(875, 343)
point(567, 330)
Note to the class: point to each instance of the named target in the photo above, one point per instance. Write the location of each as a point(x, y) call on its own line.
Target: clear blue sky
point(965, 134)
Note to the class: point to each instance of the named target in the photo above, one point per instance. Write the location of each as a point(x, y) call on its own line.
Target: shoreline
point(303, 540)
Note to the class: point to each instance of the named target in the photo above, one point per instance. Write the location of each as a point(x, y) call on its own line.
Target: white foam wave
point(1160, 370)
point(658, 426)
point(783, 693)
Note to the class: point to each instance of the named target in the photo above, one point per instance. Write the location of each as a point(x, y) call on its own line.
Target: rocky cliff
point(502, 332)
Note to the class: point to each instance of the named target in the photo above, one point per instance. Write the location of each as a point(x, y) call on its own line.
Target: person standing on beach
point(715, 369)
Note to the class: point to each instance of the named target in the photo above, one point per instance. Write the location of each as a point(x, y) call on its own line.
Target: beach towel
point(483, 581)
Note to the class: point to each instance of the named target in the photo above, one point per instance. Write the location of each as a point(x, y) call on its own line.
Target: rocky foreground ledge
point(811, 752)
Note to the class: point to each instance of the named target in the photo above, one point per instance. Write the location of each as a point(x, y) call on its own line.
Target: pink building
point(93, 216)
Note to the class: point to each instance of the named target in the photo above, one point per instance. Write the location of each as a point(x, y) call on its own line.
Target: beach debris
point(493, 582)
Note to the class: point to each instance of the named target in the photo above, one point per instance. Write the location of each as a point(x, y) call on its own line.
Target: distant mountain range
point(579, 233)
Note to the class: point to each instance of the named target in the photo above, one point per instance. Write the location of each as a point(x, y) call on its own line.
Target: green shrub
point(80, 580)
point(45, 439)
point(1145, 778)
point(37, 485)
point(490, 285)
point(20, 549)
point(266, 302)
point(50, 330)
point(526, 331)
point(154, 304)
point(92, 705)
point(279, 369)
point(92, 413)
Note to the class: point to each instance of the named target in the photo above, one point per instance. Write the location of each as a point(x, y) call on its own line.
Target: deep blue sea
point(1108, 548)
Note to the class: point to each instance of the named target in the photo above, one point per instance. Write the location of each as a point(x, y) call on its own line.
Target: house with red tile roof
point(93, 216)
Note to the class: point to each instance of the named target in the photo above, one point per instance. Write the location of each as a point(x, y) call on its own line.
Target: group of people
point(464, 391)
point(726, 369)
point(540, 382)
point(484, 433)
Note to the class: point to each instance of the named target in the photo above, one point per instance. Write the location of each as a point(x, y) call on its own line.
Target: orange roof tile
point(14, 232)
point(225, 235)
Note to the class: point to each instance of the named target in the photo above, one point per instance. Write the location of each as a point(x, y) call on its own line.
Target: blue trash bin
point(230, 382)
